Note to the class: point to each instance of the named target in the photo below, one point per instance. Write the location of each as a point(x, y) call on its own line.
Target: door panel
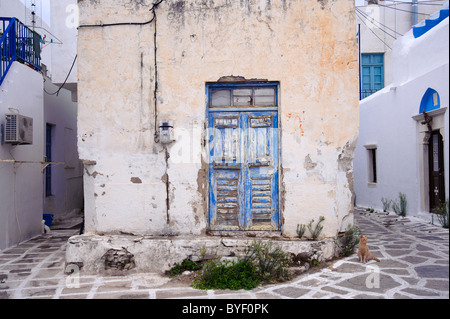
point(225, 171)
point(436, 167)
point(227, 201)
point(261, 171)
point(243, 171)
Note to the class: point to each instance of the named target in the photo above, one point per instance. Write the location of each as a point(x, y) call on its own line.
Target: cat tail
point(374, 259)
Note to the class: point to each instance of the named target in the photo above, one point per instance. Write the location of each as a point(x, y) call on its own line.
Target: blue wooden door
point(243, 171)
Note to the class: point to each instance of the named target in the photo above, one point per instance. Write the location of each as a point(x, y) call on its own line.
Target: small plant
point(263, 262)
point(202, 252)
point(271, 261)
point(399, 206)
point(315, 232)
point(349, 240)
point(228, 275)
point(186, 265)
point(442, 214)
point(386, 204)
point(301, 230)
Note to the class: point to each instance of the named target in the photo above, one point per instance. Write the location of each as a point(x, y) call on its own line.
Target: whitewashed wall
point(21, 185)
point(386, 121)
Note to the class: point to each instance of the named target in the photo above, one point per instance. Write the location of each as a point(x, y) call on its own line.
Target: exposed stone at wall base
point(156, 255)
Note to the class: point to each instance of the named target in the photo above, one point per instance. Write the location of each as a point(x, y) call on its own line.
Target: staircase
point(18, 43)
point(426, 25)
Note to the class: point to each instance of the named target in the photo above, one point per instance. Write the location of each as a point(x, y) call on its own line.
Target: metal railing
point(18, 43)
point(365, 93)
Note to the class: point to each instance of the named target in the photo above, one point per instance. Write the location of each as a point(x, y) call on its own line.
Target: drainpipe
point(359, 58)
point(415, 5)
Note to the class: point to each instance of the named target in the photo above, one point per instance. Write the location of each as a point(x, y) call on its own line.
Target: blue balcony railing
point(18, 43)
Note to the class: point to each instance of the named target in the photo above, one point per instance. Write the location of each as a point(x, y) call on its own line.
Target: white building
point(44, 174)
point(397, 151)
point(381, 23)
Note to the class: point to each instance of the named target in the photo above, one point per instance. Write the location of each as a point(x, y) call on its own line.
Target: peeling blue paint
point(243, 153)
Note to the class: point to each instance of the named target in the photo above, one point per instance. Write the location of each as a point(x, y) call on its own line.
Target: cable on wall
point(155, 91)
point(423, 2)
point(403, 10)
point(382, 25)
point(62, 85)
point(154, 20)
point(102, 25)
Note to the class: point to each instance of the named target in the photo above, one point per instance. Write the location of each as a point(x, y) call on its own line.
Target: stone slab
point(156, 255)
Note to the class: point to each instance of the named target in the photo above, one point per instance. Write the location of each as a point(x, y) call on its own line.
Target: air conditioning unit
point(18, 129)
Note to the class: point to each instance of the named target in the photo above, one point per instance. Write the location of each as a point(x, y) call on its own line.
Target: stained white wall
point(308, 46)
point(21, 185)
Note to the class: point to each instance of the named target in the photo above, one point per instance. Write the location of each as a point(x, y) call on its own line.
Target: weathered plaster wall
point(308, 46)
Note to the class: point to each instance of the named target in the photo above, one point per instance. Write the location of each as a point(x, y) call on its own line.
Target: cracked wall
point(136, 186)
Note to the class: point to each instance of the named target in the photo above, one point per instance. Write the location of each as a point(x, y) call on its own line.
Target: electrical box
point(18, 129)
point(166, 132)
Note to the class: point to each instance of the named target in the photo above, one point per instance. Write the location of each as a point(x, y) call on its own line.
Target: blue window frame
point(243, 156)
point(372, 73)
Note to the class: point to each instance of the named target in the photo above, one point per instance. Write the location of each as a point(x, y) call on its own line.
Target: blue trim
point(427, 103)
point(429, 24)
point(242, 109)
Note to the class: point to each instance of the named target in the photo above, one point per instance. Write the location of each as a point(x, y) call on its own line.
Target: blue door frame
point(243, 160)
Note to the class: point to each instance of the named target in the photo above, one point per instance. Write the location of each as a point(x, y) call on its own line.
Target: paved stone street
point(414, 264)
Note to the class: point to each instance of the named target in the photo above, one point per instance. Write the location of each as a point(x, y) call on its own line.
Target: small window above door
point(243, 97)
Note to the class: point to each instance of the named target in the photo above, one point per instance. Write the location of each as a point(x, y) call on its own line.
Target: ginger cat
point(363, 251)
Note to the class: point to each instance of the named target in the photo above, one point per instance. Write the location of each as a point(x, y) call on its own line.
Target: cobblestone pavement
point(414, 264)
